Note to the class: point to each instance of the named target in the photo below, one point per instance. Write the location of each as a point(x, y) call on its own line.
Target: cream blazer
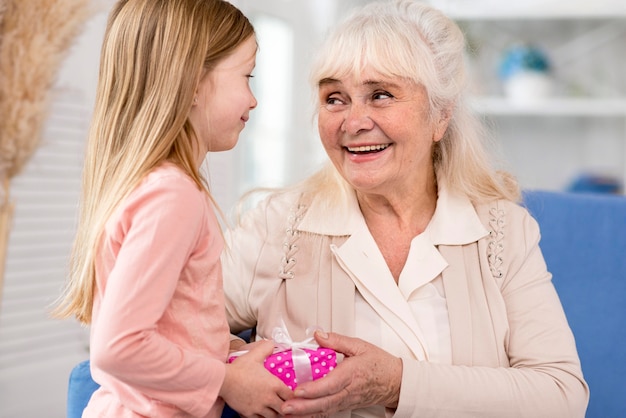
point(294, 259)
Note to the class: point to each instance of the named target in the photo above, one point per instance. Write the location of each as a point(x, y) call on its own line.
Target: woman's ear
point(442, 123)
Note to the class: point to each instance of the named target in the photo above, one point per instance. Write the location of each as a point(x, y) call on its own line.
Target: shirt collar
point(455, 221)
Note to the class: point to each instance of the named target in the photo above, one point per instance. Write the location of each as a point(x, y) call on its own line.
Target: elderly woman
point(410, 250)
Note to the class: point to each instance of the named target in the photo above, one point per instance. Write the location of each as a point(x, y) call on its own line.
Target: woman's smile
point(367, 149)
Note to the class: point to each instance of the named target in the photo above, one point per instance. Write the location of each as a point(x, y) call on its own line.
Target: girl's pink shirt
point(159, 335)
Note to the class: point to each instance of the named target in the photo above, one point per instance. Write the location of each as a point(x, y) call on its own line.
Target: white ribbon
point(299, 357)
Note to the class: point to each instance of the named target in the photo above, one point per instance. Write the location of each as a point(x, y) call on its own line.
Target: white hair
point(414, 41)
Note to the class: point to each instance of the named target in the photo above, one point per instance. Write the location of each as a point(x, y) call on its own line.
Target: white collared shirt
point(409, 319)
point(419, 300)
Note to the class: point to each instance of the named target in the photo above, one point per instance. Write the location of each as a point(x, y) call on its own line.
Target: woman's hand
point(236, 345)
point(367, 376)
point(249, 388)
point(241, 345)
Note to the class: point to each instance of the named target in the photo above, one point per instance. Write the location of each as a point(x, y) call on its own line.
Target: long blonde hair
point(153, 56)
point(409, 39)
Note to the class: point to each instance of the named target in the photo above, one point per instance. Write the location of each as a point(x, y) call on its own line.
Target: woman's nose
point(356, 119)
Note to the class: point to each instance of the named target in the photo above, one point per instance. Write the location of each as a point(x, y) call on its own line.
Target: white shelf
point(589, 26)
point(556, 106)
point(532, 9)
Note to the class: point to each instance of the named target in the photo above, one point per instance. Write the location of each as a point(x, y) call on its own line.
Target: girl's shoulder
point(167, 174)
point(166, 188)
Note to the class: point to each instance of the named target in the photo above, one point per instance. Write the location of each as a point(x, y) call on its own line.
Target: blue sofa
point(584, 244)
point(79, 390)
point(583, 239)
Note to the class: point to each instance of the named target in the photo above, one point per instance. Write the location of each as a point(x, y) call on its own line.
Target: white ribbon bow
point(299, 357)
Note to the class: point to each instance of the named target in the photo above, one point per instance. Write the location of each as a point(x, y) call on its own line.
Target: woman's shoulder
point(276, 201)
point(513, 235)
point(265, 206)
point(499, 208)
point(508, 220)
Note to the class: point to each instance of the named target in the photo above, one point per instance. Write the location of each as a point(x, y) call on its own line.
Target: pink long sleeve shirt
point(159, 335)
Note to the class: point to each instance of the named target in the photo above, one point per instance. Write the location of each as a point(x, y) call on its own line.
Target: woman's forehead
point(367, 76)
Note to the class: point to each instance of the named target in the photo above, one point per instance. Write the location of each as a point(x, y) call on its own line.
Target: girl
point(145, 269)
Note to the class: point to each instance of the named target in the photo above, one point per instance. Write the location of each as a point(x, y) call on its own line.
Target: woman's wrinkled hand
point(249, 388)
point(236, 345)
point(241, 345)
point(367, 376)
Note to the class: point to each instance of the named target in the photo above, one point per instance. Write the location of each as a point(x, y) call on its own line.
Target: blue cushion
point(80, 388)
point(583, 239)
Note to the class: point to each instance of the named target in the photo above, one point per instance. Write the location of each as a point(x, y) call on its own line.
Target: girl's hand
point(367, 376)
point(249, 388)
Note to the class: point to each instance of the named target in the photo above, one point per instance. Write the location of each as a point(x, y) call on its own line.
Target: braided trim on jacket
point(290, 247)
point(495, 248)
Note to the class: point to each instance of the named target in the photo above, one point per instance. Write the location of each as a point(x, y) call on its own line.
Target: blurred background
point(547, 76)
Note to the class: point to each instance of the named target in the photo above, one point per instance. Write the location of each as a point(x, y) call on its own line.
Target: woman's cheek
point(329, 128)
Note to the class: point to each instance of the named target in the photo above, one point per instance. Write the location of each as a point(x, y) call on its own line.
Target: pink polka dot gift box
point(284, 365)
point(296, 362)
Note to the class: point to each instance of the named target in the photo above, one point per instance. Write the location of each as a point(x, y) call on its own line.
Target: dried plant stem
point(6, 216)
point(36, 35)
point(6, 208)
point(34, 38)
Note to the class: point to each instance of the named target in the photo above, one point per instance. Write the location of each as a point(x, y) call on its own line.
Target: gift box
point(296, 362)
point(319, 362)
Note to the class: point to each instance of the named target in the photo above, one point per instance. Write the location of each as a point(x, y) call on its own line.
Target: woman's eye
point(333, 104)
point(331, 100)
point(381, 95)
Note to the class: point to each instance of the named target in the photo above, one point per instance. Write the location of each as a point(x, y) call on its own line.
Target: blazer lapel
point(459, 308)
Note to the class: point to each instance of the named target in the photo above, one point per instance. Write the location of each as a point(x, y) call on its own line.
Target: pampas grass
point(34, 38)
